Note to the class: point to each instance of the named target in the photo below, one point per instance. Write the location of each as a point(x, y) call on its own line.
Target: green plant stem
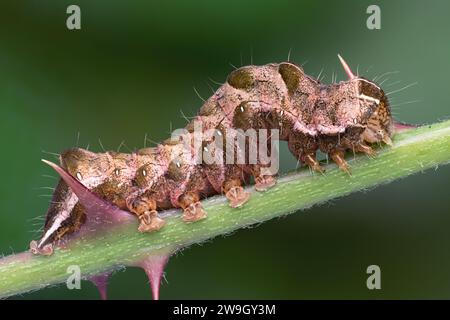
point(413, 151)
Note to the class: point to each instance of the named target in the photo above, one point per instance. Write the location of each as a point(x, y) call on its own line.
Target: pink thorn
point(101, 282)
point(154, 268)
point(400, 126)
point(347, 69)
point(97, 209)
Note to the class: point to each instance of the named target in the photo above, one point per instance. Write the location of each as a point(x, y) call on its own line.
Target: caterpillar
point(309, 115)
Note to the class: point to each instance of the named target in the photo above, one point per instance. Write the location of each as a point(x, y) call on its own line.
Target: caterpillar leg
point(192, 207)
point(338, 157)
point(311, 161)
point(235, 193)
point(150, 221)
point(263, 182)
point(304, 149)
point(362, 147)
point(145, 209)
point(46, 250)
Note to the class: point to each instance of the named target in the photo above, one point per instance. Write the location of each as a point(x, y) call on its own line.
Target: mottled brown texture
point(309, 115)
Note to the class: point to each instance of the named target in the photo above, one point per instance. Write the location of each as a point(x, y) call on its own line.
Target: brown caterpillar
point(308, 114)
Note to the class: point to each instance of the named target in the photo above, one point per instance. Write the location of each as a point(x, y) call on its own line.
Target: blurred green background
point(132, 68)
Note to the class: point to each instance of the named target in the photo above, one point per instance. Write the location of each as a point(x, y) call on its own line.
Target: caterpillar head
point(380, 125)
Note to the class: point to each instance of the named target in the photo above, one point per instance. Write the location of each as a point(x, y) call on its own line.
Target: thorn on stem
point(154, 268)
point(101, 282)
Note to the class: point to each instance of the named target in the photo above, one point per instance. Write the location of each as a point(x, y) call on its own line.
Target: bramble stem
point(414, 150)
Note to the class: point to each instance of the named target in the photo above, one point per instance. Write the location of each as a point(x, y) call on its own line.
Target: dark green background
point(132, 68)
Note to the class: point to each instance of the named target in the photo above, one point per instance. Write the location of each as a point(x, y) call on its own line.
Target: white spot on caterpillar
point(363, 96)
point(178, 165)
point(144, 172)
point(79, 176)
point(242, 109)
point(117, 172)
